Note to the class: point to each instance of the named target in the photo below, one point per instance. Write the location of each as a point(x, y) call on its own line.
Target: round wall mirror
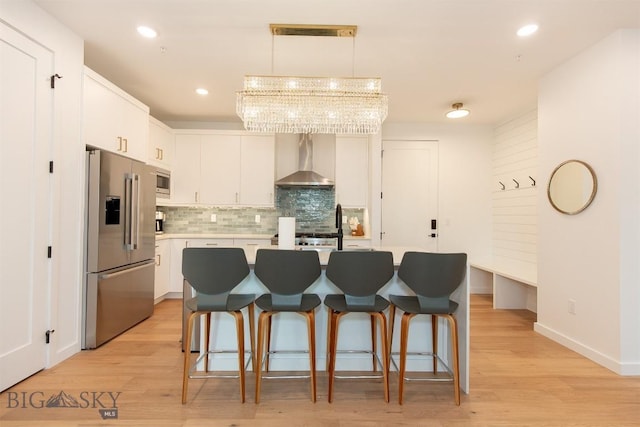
point(572, 187)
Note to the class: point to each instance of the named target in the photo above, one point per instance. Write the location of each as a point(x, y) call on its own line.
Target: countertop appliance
point(159, 222)
point(120, 246)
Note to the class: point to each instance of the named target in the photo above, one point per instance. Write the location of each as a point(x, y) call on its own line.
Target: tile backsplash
point(313, 208)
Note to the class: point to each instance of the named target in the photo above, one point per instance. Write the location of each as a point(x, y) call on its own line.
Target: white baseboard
point(626, 369)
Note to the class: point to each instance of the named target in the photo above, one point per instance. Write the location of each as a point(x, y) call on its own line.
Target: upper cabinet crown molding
point(113, 120)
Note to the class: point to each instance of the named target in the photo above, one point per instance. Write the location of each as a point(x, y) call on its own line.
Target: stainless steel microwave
point(163, 183)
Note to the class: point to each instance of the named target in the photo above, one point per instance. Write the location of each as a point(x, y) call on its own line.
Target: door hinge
point(51, 166)
point(49, 250)
point(381, 194)
point(53, 80)
point(47, 335)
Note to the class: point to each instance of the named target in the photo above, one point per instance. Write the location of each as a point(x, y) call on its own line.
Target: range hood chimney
point(305, 176)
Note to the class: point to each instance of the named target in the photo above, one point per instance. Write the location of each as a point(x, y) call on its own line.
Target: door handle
point(128, 200)
point(128, 270)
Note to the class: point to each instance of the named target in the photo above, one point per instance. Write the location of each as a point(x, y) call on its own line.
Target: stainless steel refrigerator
point(120, 246)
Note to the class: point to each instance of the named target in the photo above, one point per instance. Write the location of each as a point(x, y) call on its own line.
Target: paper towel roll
point(286, 232)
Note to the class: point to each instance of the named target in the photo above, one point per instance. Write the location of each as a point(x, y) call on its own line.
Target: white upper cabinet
point(185, 174)
point(352, 171)
point(113, 119)
point(161, 143)
point(257, 170)
point(223, 169)
point(220, 169)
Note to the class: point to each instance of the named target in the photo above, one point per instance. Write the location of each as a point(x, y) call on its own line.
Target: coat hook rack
point(503, 187)
point(533, 181)
point(517, 183)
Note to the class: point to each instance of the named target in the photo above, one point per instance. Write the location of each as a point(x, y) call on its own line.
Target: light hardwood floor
point(518, 378)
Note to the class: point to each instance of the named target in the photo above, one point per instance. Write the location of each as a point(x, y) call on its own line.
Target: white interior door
point(25, 140)
point(410, 194)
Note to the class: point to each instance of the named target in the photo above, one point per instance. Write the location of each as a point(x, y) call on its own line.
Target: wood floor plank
point(518, 378)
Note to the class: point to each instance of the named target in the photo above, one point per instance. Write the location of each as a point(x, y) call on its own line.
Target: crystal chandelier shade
point(286, 104)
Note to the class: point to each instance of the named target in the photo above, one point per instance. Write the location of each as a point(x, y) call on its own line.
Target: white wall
point(68, 177)
point(589, 110)
point(464, 183)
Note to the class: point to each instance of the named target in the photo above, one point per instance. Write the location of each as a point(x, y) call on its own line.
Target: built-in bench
point(513, 285)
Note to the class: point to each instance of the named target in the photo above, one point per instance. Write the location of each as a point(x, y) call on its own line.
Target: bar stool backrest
point(287, 274)
point(433, 277)
point(360, 275)
point(213, 273)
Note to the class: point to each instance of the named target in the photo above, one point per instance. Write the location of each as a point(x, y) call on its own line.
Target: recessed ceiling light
point(457, 112)
point(147, 32)
point(202, 91)
point(527, 30)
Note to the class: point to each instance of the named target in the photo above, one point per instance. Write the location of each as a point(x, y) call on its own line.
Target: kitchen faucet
point(339, 225)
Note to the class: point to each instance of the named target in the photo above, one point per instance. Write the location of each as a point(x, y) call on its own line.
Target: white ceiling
point(429, 53)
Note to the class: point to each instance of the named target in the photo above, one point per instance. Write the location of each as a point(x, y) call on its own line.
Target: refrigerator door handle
point(135, 214)
point(128, 219)
point(129, 270)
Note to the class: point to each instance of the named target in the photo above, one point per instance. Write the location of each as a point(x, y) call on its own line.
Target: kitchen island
point(289, 333)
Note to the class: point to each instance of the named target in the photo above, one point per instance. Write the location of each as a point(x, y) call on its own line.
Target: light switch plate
point(344, 219)
point(257, 219)
point(214, 218)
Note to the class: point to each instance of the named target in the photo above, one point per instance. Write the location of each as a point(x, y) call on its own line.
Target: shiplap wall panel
point(515, 211)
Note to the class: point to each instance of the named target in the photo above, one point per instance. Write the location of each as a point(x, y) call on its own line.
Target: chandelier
point(295, 104)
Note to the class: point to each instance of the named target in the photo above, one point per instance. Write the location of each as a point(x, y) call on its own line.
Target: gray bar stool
point(433, 277)
point(213, 273)
point(359, 275)
point(287, 274)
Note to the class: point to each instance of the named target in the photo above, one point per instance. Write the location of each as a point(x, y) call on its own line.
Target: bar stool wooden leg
point(404, 338)
point(262, 325)
point(332, 351)
point(453, 324)
point(207, 333)
point(240, 334)
point(252, 335)
point(385, 352)
point(374, 339)
point(392, 317)
point(311, 333)
point(187, 356)
point(268, 338)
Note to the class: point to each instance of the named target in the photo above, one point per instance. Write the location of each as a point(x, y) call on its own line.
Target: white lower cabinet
point(163, 268)
point(356, 244)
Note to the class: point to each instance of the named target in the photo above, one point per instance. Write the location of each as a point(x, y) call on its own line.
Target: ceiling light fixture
point(527, 30)
point(457, 112)
point(293, 104)
point(147, 32)
point(202, 91)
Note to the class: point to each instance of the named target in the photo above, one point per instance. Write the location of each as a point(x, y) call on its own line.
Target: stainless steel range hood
point(305, 176)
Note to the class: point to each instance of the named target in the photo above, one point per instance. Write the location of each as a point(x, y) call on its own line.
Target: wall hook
point(517, 183)
point(532, 180)
point(503, 187)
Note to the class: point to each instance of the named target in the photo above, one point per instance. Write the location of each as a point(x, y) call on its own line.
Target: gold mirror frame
point(572, 187)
